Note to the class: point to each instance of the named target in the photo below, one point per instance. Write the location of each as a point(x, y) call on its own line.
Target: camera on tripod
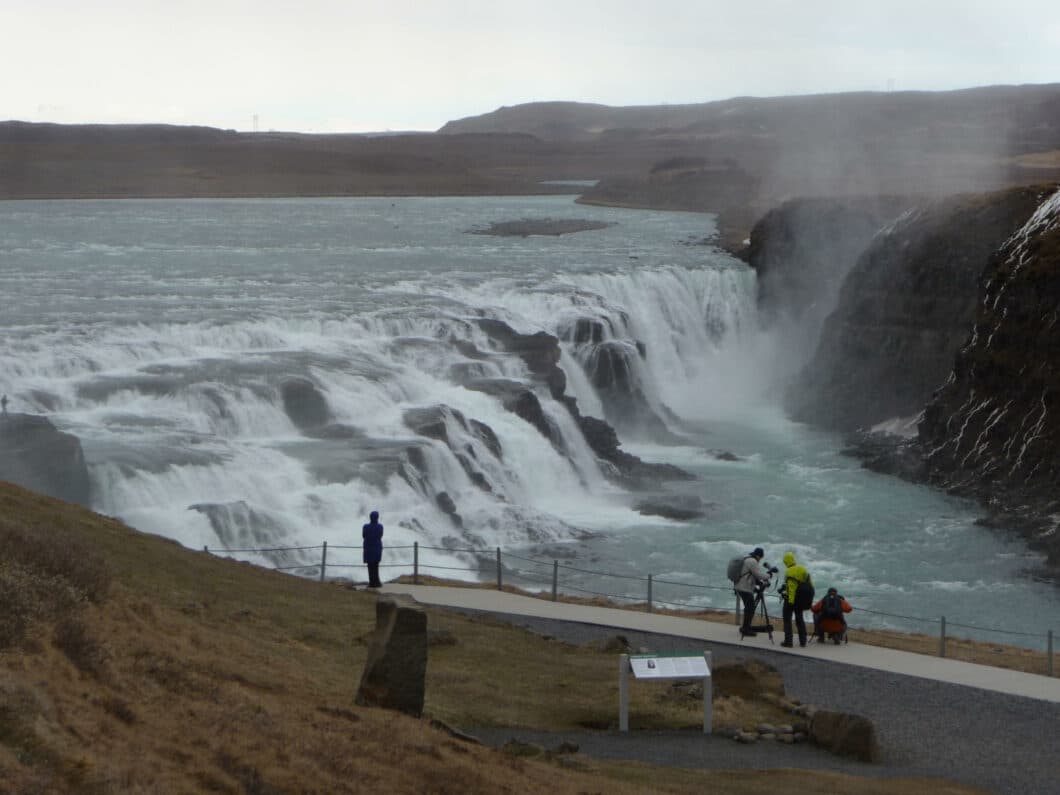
point(760, 587)
point(759, 609)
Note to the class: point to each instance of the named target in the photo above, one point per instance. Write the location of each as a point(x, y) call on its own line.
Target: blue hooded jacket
point(372, 533)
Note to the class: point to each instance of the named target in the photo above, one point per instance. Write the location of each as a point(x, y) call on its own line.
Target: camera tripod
point(761, 613)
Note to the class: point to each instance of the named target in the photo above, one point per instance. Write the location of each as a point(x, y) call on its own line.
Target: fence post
point(649, 593)
point(942, 638)
point(1050, 653)
point(415, 562)
point(555, 579)
point(324, 561)
point(500, 582)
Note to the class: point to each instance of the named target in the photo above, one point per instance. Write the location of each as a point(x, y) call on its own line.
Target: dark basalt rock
point(678, 507)
point(304, 404)
point(540, 351)
point(430, 421)
point(36, 455)
point(628, 468)
point(610, 363)
point(904, 311)
point(521, 401)
point(887, 454)
point(610, 370)
point(488, 437)
point(447, 506)
point(475, 475)
point(992, 431)
point(803, 249)
point(725, 455)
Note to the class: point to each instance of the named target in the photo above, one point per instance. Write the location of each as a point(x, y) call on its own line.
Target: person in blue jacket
point(372, 533)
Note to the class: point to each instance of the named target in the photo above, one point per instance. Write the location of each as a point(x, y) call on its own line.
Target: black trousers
point(748, 600)
point(373, 575)
point(800, 623)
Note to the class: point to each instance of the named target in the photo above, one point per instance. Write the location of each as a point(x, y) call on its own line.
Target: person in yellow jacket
point(793, 577)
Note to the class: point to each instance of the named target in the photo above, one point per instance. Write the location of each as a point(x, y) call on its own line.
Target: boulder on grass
point(749, 679)
point(845, 734)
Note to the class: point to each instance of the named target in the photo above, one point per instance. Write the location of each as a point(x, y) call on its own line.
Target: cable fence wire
point(314, 568)
point(896, 615)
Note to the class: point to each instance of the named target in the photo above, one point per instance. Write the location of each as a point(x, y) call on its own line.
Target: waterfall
point(240, 405)
point(188, 434)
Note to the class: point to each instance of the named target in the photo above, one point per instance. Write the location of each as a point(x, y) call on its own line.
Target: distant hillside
point(744, 155)
point(1026, 118)
point(736, 157)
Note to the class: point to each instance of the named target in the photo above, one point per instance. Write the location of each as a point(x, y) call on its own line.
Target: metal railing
point(543, 575)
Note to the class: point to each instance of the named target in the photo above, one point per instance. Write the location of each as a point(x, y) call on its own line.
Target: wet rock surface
point(905, 310)
point(952, 315)
point(992, 431)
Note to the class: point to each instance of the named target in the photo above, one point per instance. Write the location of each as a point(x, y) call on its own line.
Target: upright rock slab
point(395, 673)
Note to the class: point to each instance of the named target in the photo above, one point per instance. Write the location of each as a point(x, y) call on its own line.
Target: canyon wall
point(904, 310)
point(993, 430)
point(950, 317)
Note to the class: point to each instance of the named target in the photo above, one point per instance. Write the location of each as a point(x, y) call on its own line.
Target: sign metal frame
point(651, 667)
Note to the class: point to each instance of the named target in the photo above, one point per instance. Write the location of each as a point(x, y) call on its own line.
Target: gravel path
point(1001, 743)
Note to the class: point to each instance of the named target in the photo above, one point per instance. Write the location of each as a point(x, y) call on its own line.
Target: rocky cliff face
point(36, 455)
point(993, 430)
point(905, 309)
point(802, 252)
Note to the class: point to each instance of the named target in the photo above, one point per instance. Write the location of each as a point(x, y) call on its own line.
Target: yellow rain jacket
point(793, 576)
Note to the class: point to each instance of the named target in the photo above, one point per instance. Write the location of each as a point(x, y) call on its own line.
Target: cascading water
point(265, 373)
point(191, 429)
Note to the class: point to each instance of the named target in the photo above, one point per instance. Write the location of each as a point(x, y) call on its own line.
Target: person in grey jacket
point(752, 575)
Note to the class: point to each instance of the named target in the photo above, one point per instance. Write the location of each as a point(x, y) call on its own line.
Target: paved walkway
point(957, 672)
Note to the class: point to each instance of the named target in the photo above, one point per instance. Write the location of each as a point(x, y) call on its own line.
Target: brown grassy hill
point(129, 664)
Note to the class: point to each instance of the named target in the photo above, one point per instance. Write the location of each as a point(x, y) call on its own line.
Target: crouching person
point(829, 620)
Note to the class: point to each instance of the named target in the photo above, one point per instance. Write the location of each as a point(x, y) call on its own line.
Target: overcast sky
point(361, 65)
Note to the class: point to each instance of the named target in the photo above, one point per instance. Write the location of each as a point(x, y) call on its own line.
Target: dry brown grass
point(189, 673)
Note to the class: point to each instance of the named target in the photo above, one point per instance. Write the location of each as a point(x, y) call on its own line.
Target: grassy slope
point(148, 667)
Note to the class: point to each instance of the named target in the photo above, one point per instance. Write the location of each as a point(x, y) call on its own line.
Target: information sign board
point(664, 666)
point(647, 666)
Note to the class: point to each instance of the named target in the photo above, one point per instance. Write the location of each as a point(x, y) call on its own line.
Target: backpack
point(832, 606)
point(735, 568)
point(803, 596)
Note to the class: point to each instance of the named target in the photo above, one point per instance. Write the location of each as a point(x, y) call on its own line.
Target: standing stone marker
point(395, 673)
